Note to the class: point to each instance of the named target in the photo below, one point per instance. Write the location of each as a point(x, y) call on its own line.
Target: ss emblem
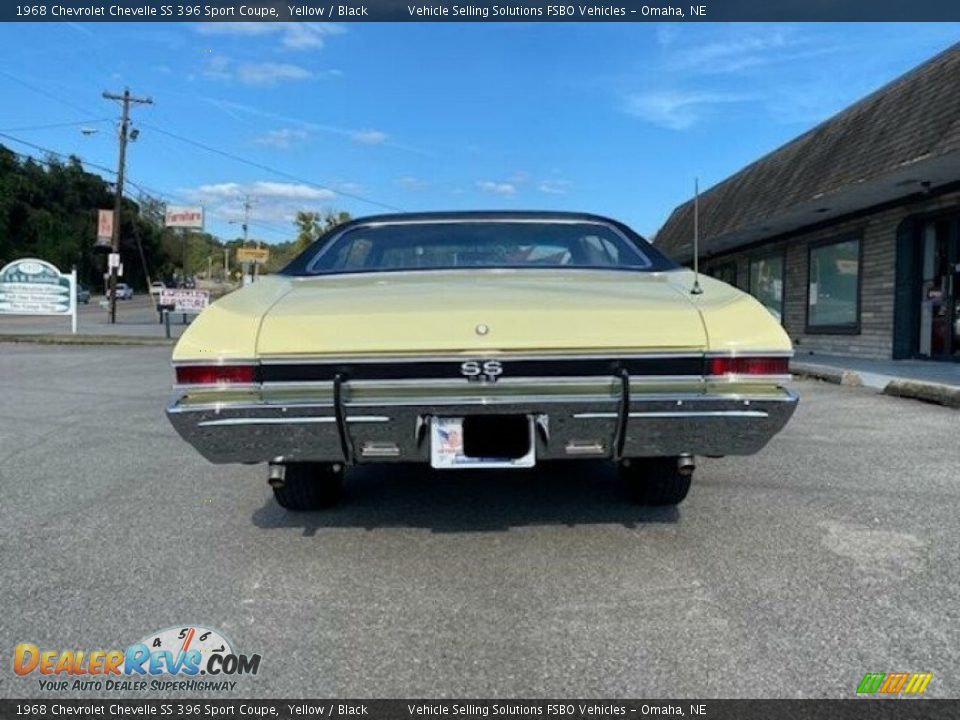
point(477, 371)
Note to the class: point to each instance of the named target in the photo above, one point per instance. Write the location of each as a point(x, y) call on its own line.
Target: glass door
point(939, 311)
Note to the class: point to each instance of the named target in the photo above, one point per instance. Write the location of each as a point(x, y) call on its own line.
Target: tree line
point(48, 210)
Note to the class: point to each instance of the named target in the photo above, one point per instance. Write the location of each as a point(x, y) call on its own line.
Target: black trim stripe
point(450, 369)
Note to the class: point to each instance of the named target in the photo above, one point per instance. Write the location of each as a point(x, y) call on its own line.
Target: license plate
point(446, 448)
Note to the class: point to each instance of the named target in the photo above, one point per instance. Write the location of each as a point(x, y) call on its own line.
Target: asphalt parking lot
point(787, 574)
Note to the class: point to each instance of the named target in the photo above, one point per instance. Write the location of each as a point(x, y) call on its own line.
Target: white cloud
point(219, 190)
point(412, 183)
point(369, 137)
point(292, 35)
point(703, 69)
point(733, 51)
point(666, 34)
point(496, 188)
point(296, 191)
point(283, 138)
point(270, 200)
point(268, 73)
point(554, 187)
point(221, 67)
point(217, 67)
point(678, 109)
point(302, 36)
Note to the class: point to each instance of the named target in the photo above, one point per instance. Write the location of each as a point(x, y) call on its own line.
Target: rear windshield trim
point(309, 268)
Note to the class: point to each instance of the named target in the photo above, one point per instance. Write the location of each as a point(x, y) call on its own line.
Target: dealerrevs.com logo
point(188, 658)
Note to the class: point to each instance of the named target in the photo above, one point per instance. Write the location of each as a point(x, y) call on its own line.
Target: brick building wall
point(878, 234)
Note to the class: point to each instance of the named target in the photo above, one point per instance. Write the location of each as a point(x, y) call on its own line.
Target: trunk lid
point(440, 311)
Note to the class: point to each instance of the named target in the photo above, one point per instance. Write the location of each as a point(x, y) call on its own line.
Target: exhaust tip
point(276, 476)
point(686, 464)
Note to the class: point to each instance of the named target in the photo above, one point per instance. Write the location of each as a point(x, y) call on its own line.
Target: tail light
point(748, 366)
point(216, 375)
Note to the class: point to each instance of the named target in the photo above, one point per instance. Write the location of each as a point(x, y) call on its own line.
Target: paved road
point(791, 573)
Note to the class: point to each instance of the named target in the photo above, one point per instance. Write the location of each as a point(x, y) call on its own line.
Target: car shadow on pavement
point(389, 496)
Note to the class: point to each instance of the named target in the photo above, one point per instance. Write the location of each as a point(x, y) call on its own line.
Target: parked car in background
point(156, 287)
point(83, 294)
point(481, 340)
point(124, 292)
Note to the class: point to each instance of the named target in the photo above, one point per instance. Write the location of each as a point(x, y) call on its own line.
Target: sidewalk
point(137, 324)
point(937, 382)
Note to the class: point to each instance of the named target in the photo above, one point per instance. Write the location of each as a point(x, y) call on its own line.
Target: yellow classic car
point(480, 340)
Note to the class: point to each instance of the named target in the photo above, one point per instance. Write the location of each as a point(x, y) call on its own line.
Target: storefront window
point(725, 273)
point(833, 289)
point(766, 282)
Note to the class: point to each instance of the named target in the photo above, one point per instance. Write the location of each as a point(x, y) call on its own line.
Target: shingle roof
point(912, 120)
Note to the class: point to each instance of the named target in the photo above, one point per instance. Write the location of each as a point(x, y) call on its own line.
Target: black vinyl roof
point(299, 265)
point(454, 215)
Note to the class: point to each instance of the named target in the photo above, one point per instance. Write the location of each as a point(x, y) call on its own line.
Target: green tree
point(311, 225)
point(48, 209)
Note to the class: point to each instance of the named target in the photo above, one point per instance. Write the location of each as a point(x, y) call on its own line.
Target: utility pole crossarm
point(125, 99)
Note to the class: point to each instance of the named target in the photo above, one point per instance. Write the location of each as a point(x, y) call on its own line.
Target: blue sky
point(608, 118)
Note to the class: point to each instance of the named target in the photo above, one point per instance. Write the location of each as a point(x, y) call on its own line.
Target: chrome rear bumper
point(575, 419)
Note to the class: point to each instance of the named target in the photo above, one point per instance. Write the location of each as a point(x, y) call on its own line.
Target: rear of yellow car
point(494, 367)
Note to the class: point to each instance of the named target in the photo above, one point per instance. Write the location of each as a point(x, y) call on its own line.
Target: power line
point(217, 151)
point(43, 92)
point(145, 189)
point(266, 168)
point(57, 154)
point(91, 121)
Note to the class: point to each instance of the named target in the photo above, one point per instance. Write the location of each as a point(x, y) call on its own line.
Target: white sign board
point(182, 216)
point(105, 227)
point(185, 301)
point(35, 287)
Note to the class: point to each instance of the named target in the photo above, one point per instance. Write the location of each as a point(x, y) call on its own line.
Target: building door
point(940, 289)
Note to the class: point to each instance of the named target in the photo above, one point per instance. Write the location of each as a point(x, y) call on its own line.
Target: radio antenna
point(696, 289)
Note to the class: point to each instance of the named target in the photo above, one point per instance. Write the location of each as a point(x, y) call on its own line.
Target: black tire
point(655, 481)
point(309, 486)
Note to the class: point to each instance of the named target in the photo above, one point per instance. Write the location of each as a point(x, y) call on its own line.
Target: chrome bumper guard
point(369, 422)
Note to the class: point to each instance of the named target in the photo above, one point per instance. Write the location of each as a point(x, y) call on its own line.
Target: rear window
point(481, 244)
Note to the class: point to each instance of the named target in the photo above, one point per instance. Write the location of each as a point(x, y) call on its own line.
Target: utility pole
point(246, 234)
point(125, 99)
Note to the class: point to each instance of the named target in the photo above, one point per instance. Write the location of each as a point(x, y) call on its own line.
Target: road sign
point(182, 216)
point(185, 301)
point(113, 260)
point(105, 227)
point(35, 287)
point(253, 255)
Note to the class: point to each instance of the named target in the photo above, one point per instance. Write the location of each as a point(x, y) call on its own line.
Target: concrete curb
point(946, 395)
point(83, 339)
point(827, 373)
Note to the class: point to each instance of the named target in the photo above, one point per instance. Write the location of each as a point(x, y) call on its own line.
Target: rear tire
point(309, 486)
point(655, 481)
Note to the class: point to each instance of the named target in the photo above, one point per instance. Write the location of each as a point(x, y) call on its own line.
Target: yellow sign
point(253, 255)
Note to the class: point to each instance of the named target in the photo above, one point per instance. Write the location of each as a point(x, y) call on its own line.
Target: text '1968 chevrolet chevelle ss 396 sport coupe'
point(480, 340)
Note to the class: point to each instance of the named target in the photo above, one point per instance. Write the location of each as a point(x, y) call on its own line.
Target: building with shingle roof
point(850, 233)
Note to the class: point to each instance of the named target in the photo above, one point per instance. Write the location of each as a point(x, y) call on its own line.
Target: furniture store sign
point(35, 287)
